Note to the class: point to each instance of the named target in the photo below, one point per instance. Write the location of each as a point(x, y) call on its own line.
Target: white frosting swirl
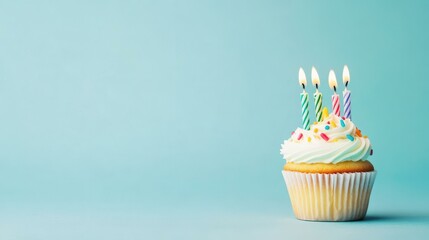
point(340, 141)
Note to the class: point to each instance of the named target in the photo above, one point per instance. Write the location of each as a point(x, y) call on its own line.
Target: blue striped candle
point(347, 101)
point(347, 104)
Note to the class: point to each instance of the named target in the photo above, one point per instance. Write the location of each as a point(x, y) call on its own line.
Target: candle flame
point(346, 75)
point(302, 78)
point(315, 77)
point(332, 80)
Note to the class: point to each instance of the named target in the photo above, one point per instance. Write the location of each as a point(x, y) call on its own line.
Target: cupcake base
point(329, 197)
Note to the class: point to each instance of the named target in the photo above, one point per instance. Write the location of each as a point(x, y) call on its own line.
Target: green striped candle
point(317, 95)
point(305, 111)
point(318, 105)
point(304, 101)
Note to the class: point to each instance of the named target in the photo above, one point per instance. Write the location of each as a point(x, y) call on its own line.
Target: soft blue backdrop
point(163, 119)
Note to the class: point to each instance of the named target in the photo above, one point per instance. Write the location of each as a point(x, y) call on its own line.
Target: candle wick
point(347, 83)
point(335, 89)
point(317, 86)
point(303, 86)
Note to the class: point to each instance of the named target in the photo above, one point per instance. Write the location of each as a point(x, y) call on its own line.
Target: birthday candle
point(335, 97)
point(317, 95)
point(347, 94)
point(304, 101)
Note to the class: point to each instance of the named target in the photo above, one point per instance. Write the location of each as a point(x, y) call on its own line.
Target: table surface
point(130, 223)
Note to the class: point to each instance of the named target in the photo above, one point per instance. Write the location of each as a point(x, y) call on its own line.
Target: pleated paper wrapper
point(329, 197)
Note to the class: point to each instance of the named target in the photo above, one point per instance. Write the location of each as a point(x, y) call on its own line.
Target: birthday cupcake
point(327, 172)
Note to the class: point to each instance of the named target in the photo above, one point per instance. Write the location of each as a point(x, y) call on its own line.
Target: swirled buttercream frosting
point(332, 140)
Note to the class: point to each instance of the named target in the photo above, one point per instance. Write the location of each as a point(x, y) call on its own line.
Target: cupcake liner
point(329, 197)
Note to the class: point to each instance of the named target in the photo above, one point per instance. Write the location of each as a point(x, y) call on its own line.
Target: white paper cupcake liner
point(329, 197)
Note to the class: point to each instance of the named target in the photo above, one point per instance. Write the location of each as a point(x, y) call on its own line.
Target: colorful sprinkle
point(325, 113)
point(316, 130)
point(328, 122)
point(327, 127)
point(365, 136)
point(333, 124)
point(309, 139)
point(292, 133)
point(343, 124)
point(358, 132)
point(343, 118)
point(326, 138)
point(300, 136)
point(370, 153)
point(350, 137)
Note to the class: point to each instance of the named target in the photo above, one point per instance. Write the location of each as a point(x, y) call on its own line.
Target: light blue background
point(163, 119)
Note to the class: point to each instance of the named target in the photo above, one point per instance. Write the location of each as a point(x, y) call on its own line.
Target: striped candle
point(347, 104)
point(335, 97)
point(317, 95)
point(304, 111)
point(347, 94)
point(336, 104)
point(318, 105)
point(304, 101)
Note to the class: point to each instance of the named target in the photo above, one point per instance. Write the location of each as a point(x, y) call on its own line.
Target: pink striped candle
point(335, 97)
point(336, 104)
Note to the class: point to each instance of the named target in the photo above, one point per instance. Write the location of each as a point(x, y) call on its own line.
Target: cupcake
point(327, 172)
